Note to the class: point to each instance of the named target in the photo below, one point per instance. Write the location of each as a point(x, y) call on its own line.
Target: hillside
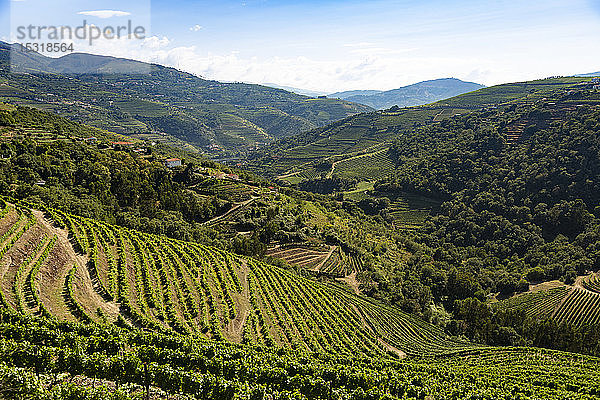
point(96, 275)
point(349, 93)
point(571, 304)
point(382, 243)
point(221, 118)
point(412, 95)
point(516, 204)
point(211, 276)
point(321, 152)
point(168, 285)
point(304, 92)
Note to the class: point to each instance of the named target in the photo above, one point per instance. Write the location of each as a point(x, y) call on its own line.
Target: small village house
point(172, 162)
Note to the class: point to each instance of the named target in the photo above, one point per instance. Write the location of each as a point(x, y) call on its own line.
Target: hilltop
point(412, 95)
point(165, 104)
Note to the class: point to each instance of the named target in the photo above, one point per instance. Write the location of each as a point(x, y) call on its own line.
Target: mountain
point(590, 74)
point(163, 104)
point(350, 93)
point(334, 149)
point(304, 92)
point(412, 95)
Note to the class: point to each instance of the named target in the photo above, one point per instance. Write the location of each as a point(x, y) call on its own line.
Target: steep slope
point(564, 304)
point(167, 285)
point(312, 154)
point(412, 95)
point(74, 302)
point(222, 117)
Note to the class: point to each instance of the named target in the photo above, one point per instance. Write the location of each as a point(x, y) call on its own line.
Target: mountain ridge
point(416, 94)
point(219, 118)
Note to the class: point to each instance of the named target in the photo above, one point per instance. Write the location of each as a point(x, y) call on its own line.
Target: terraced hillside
point(228, 117)
point(592, 282)
point(565, 304)
point(77, 269)
point(303, 256)
point(366, 133)
point(330, 260)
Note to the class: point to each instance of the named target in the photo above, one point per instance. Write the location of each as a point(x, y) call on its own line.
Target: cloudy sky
point(332, 45)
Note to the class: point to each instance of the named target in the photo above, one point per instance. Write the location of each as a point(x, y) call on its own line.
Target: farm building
point(173, 162)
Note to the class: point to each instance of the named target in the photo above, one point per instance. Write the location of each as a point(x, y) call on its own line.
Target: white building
point(172, 163)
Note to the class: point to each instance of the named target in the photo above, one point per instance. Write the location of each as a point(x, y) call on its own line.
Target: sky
point(332, 45)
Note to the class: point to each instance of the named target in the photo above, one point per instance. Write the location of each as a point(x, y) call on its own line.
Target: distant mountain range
point(303, 92)
point(412, 95)
point(162, 102)
point(588, 75)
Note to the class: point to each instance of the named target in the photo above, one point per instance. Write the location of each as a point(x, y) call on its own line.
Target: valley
point(216, 118)
point(448, 250)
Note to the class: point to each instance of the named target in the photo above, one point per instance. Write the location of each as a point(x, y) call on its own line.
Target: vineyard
point(71, 268)
point(225, 189)
point(539, 304)
point(565, 304)
point(410, 211)
point(326, 259)
point(303, 256)
point(91, 309)
point(592, 282)
point(579, 307)
point(371, 166)
point(49, 359)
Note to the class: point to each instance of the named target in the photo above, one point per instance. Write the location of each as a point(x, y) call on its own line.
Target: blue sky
point(340, 45)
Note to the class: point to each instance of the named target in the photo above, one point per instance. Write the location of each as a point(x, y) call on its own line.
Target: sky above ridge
point(332, 45)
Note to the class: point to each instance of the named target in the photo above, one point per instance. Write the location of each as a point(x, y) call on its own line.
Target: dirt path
point(233, 209)
point(391, 348)
point(435, 119)
point(351, 281)
point(288, 175)
point(579, 282)
point(320, 265)
point(235, 328)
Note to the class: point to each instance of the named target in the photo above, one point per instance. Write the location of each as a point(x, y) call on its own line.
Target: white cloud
point(379, 71)
point(359, 44)
point(196, 28)
point(105, 13)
